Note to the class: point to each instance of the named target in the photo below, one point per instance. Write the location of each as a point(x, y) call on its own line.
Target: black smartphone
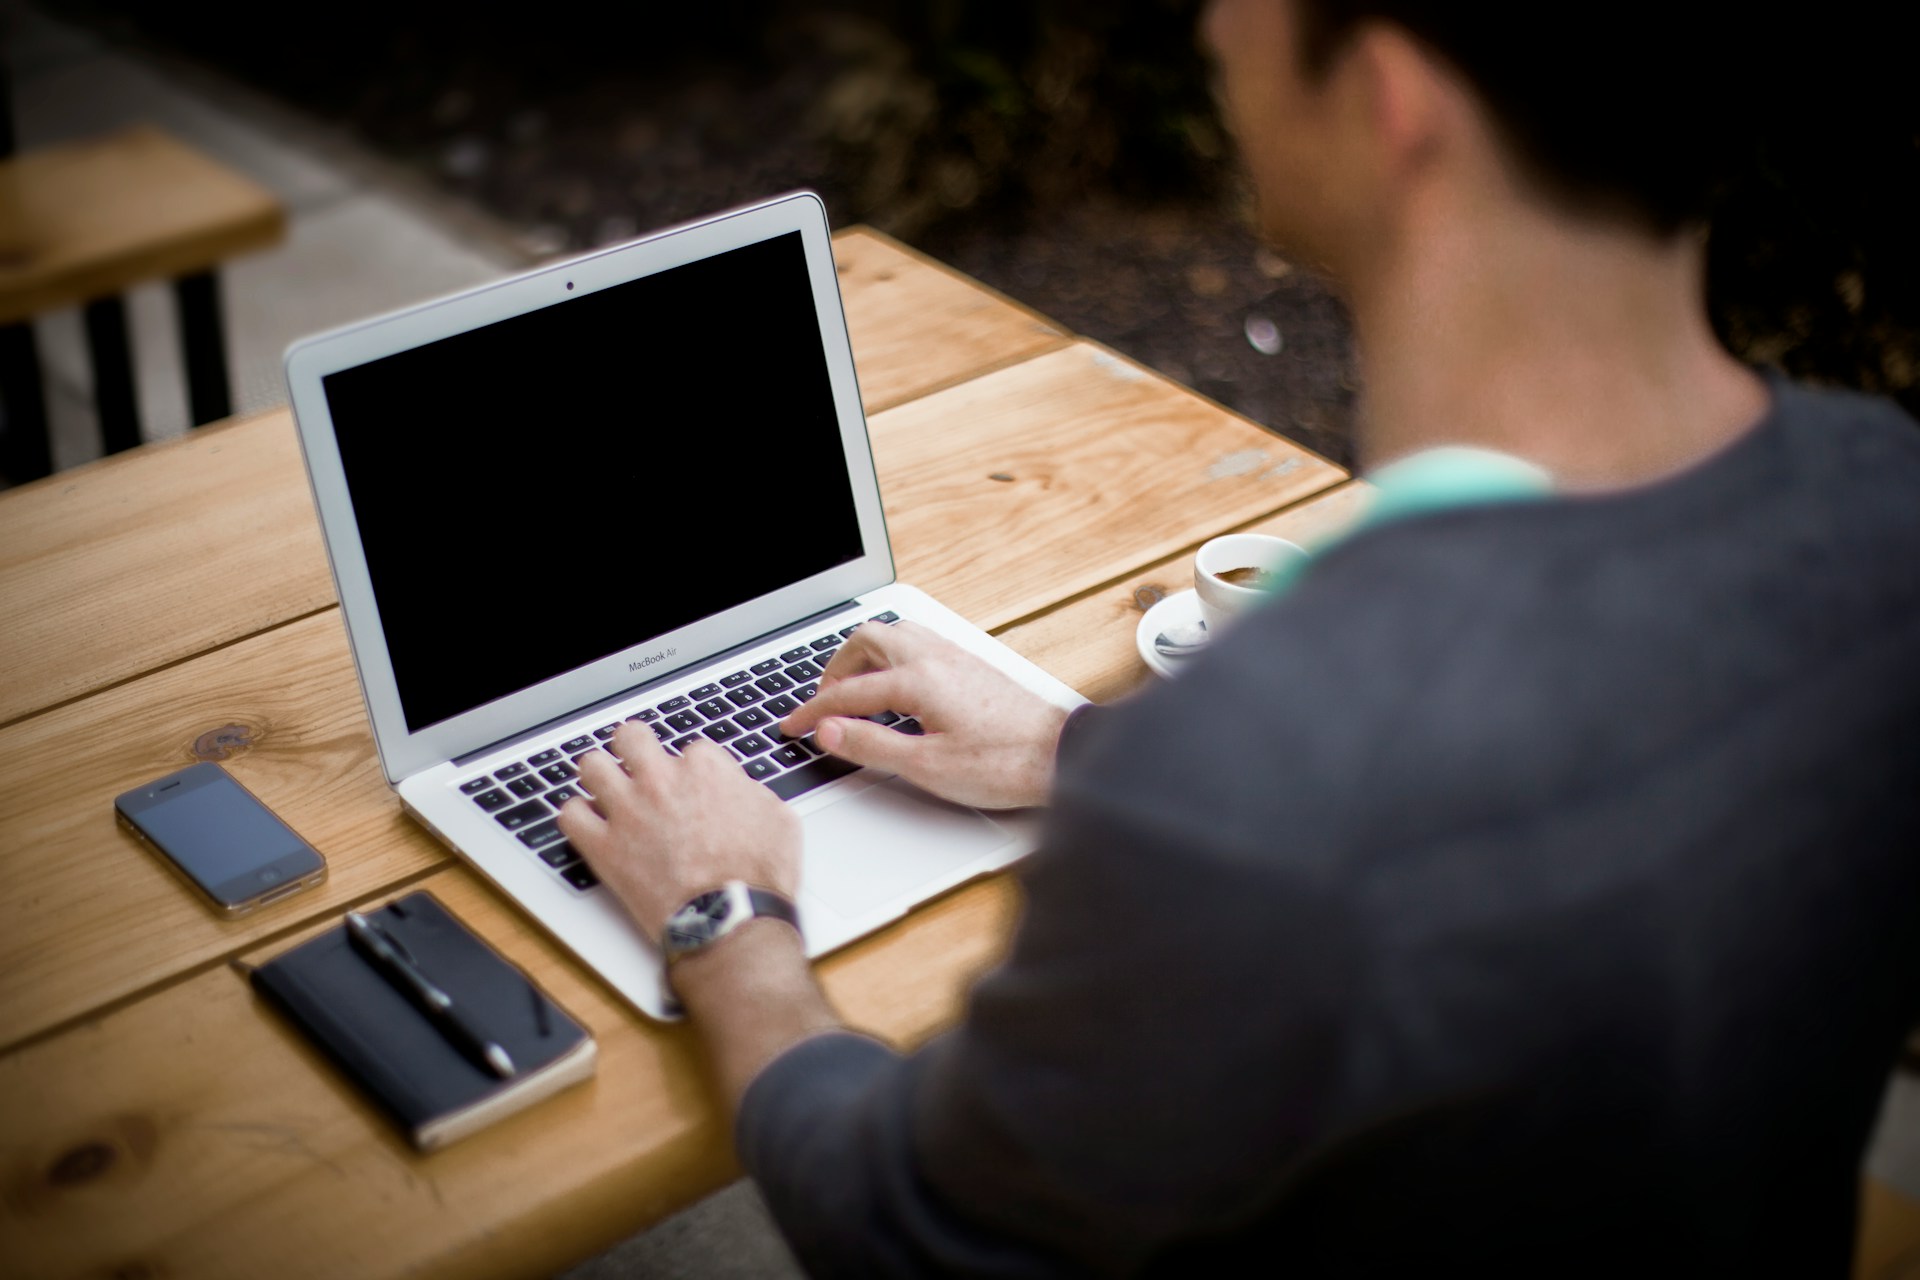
point(221, 840)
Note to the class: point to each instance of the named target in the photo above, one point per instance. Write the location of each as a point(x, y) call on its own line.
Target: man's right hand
point(988, 742)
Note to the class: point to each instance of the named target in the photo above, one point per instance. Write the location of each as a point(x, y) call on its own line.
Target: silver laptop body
point(587, 492)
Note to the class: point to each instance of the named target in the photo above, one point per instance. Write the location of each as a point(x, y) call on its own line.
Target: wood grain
point(89, 915)
point(154, 555)
point(917, 325)
point(90, 219)
point(193, 1133)
point(1088, 642)
point(1107, 467)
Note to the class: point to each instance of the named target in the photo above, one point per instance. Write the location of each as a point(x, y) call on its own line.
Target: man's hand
point(668, 830)
point(988, 742)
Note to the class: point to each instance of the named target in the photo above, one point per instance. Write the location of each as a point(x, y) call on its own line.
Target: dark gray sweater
point(1536, 888)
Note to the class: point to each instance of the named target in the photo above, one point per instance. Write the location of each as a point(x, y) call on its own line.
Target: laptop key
point(511, 771)
point(560, 795)
point(491, 800)
point(744, 696)
point(790, 756)
point(574, 746)
point(797, 782)
point(541, 835)
point(715, 709)
point(801, 672)
point(559, 855)
point(795, 655)
point(661, 732)
point(735, 680)
point(846, 633)
point(775, 683)
point(704, 692)
point(721, 730)
point(558, 773)
point(683, 721)
point(910, 727)
point(674, 704)
point(522, 814)
point(646, 717)
point(479, 784)
point(524, 787)
point(782, 706)
point(886, 717)
point(605, 731)
point(681, 744)
point(825, 643)
point(545, 757)
point(761, 668)
point(752, 718)
point(580, 876)
point(752, 745)
point(806, 691)
point(889, 616)
point(760, 768)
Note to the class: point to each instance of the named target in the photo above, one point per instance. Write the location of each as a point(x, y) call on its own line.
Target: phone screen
point(217, 833)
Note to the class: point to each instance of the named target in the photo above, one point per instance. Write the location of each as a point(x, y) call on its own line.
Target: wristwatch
point(715, 914)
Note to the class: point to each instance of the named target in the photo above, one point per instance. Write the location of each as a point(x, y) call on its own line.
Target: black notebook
point(401, 1059)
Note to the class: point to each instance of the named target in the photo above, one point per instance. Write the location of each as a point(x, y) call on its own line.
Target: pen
point(386, 954)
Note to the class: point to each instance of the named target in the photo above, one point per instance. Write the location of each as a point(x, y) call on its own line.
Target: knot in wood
point(83, 1163)
point(224, 743)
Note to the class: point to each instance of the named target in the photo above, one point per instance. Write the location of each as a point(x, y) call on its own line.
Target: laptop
point(632, 486)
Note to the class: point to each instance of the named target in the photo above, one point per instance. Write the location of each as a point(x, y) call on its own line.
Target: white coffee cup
point(1256, 556)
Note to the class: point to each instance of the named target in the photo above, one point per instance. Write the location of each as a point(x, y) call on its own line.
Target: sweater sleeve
point(1164, 1036)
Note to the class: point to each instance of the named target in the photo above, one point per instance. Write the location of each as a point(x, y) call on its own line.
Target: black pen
point(385, 953)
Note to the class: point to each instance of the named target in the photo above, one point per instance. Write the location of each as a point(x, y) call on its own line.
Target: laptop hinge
point(547, 726)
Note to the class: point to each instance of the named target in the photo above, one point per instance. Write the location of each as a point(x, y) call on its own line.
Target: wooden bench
point(83, 222)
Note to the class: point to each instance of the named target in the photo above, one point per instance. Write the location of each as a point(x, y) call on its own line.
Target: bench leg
point(26, 452)
point(112, 374)
point(203, 343)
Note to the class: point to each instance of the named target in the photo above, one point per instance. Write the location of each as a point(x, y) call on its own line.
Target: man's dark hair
point(1609, 110)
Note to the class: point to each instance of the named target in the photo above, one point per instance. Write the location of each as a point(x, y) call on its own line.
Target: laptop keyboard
point(740, 711)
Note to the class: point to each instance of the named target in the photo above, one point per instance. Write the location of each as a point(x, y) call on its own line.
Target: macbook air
point(636, 486)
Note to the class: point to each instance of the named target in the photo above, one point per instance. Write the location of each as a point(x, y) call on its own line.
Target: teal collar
point(1438, 479)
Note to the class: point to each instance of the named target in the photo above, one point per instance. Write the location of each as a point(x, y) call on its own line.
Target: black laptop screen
point(554, 488)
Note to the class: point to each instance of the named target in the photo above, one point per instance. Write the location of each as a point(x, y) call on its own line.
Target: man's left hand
point(662, 830)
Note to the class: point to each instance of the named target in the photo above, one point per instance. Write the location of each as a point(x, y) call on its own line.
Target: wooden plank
point(1088, 641)
point(1108, 467)
point(89, 916)
point(195, 1134)
point(917, 324)
point(152, 556)
point(1888, 1246)
point(90, 219)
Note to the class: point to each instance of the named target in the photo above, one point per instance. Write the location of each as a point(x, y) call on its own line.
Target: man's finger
point(605, 780)
point(864, 651)
point(640, 751)
point(585, 829)
point(866, 743)
point(859, 696)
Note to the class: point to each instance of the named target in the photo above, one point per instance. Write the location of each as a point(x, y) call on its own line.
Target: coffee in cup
point(1233, 573)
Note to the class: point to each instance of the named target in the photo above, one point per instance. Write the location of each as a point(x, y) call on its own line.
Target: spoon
point(1181, 640)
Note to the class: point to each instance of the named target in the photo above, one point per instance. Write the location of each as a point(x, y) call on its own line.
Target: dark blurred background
point(1064, 151)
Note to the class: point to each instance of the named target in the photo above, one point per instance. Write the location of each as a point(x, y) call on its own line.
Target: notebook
point(414, 1072)
point(636, 485)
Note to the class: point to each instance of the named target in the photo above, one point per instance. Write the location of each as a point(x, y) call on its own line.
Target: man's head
point(1339, 105)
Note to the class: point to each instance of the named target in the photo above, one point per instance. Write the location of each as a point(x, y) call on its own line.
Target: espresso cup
point(1222, 601)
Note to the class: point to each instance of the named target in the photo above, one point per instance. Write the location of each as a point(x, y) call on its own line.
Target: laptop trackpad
point(889, 840)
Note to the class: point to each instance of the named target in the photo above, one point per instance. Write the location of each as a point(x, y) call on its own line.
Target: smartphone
point(221, 840)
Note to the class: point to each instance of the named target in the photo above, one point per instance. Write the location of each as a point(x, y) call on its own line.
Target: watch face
point(699, 921)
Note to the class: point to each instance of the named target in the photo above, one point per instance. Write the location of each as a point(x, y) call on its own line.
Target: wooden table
point(174, 604)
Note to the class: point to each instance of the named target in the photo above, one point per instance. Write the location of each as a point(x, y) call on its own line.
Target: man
point(1532, 888)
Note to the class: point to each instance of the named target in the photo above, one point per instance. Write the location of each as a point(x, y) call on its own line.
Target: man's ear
point(1408, 97)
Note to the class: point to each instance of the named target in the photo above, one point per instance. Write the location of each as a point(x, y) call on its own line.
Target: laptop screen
point(551, 489)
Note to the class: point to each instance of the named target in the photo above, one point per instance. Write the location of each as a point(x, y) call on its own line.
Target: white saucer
point(1180, 609)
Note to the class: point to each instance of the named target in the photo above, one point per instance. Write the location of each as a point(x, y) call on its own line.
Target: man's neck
point(1581, 348)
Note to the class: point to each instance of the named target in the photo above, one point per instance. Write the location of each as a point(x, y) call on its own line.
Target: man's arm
point(662, 830)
